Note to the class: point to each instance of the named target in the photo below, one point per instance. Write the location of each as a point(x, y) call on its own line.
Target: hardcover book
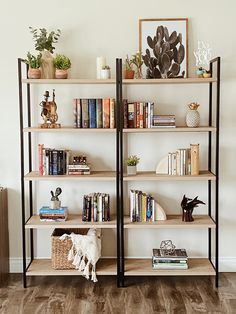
point(106, 113)
point(85, 113)
point(92, 113)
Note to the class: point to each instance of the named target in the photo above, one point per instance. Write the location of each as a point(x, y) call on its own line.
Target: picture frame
point(164, 46)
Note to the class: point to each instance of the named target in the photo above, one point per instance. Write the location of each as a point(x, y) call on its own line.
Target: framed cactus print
point(164, 47)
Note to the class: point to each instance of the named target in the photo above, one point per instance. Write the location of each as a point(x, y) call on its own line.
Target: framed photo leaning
point(164, 47)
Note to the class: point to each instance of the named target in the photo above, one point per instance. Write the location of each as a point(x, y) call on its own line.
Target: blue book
point(149, 208)
point(92, 113)
point(48, 210)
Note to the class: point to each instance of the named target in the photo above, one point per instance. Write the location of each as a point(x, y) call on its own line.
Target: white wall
point(110, 28)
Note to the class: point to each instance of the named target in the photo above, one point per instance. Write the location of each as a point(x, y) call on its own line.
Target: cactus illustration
point(168, 53)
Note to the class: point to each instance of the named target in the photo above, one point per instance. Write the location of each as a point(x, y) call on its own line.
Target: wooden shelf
point(73, 221)
point(190, 80)
point(172, 222)
point(65, 129)
point(152, 176)
point(94, 176)
point(172, 130)
point(42, 267)
point(143, 267)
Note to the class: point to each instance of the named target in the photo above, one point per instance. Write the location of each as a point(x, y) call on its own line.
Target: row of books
point(78, 169)
point(142, 206)
point(166, 259)
point(138, 114)
point(48, 214)
point(185, 161)
point(96, 207)
point(94, 113)
point(163, 121)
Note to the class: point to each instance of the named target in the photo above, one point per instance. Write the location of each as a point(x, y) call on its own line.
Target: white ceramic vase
point(105, 74)
point(192, 118)
point(131, 170)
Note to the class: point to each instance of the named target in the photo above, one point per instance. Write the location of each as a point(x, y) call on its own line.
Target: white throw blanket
point(85, 251)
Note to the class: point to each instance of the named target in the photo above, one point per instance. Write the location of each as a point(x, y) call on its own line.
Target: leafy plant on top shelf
point(34, 62)
point(132, 160)
point(61, 62)
point(43, 39)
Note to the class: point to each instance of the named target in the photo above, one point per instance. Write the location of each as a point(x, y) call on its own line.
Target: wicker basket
point(60, 249)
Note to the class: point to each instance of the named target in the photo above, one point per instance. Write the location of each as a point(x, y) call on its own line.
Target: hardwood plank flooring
point(76, 295)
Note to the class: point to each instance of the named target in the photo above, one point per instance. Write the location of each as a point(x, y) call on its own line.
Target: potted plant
point(34, 63)
point(132, 162)
point(105, 72)
point(129, 72)
point(44, 41)
point(137, 61)
point(62, 64)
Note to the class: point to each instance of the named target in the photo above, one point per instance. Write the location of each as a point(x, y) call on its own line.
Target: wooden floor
point(142, 295)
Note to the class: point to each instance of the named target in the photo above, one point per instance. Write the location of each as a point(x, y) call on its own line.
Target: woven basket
point(60, 249)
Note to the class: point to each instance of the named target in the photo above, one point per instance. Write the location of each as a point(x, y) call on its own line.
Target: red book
point(40, 158)
point(138, 115)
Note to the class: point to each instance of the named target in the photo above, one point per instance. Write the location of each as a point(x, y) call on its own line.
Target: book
point(131, 115)
point(106, 113)
point(99, 112)
point(40, 159)
point(112, 113)
point(79, 114)
point(75, 112)
point(125, 112)
point(164, 253)
point(85, 113)
point(92, 113)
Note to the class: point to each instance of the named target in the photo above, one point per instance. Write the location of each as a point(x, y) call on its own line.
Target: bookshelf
point(121, 266)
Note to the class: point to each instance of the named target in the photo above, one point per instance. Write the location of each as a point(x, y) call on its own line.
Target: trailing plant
point(43, 39)
point(167, 57)
point(61, 62)
point(34, 62)
point(132, 160)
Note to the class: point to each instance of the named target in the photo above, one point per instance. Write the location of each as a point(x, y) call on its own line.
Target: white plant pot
point(105, 74)
point(131, 170)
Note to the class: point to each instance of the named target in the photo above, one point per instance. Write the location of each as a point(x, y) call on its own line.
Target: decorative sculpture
point(169, 53)
point(49, 112)
point(188, 206)
point(203, 56)
point(167, 247)
point(55, 202)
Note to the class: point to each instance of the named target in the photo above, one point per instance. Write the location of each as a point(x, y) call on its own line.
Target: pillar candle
point(101, 62)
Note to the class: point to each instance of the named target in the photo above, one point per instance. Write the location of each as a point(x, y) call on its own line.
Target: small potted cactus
point(132, 162)
point(62, 64)
point(129, 71)
point(34, 63)
point(105, 72)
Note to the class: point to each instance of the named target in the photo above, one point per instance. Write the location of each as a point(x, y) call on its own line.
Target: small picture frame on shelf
point(164, 46)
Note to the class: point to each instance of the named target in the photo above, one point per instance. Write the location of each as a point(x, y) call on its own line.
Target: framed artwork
point(164, 47)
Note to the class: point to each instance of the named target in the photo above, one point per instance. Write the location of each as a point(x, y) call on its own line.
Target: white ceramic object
point(162, 167)
point(159, 212)
point(55, 204)
point(131, 170)
point(105, 74)
point(192, 118)
point(101, 62)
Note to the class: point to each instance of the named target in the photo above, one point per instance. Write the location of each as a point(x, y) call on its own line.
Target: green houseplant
point(62, 64)
point(132, 162)
point(34, 63)
point(129, 71)
point(44, 42)
point(137, 61)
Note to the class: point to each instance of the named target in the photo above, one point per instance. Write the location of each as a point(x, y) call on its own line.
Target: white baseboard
point(226, 264)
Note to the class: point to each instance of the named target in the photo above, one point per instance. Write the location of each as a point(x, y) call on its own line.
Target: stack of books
point(138, 114)
point(163, 121)
point(78, 169)
point(96, 207)
point(94, 113)
point(48, 214)
point(142, 206)
point(163, 259)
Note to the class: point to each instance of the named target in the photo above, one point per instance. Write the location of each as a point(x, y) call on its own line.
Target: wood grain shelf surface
point(152, 176)
point(94, 176)
point(143, 267)
point(66, 129)
point(73, 221)
point(172, 222)
point(189, 80)
point(42, 267)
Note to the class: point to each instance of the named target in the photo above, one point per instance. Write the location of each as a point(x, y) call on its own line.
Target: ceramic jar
point(193, 116)
point(34, 73)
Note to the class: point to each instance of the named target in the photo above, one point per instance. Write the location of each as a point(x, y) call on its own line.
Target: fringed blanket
point(85, 251)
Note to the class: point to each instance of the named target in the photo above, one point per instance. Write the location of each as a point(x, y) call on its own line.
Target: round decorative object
point(61, 74)
point(34, 73)
point(193, 116)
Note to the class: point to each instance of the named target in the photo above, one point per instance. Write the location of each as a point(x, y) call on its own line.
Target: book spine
point(84, 208)
point(106, 113)
point(54, 162)
point(144, 207)
point(141, 116)
point(138, 115)
point(125, 110)
point(149, 208)
point(99, 112)
point(153, 210)
point(194, 159)
point(79, 114)
point(131, 115)
point(173, 163)
point(85, 114)
point(170, 163)
point(40, 159)
point(92, 113)
point(112, 113)
point(75, 112)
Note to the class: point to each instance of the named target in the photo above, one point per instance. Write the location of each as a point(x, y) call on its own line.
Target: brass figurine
point(49, 112)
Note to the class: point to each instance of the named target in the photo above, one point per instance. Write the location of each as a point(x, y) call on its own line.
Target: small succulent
point(34, 62)
point(61, 62)
point(132, 160)
point(43, 39)
point(168, 54)
point(57, 193)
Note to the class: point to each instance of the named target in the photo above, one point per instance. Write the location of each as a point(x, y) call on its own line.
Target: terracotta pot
point(61, 74)
point(129, 74)
point(34, 73)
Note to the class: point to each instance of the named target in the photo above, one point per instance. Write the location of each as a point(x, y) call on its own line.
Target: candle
point(101, 62)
